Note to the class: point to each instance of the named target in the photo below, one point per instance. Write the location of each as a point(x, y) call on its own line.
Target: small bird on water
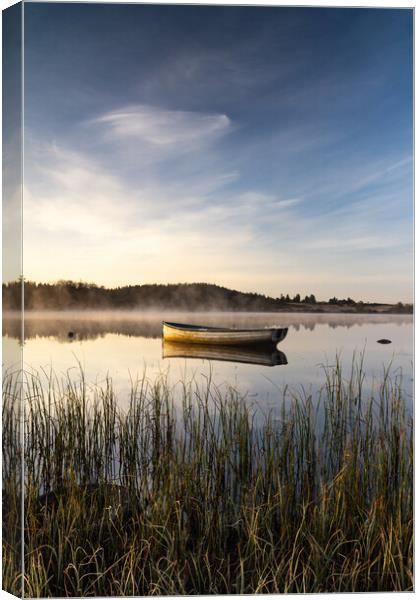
point(384, 341)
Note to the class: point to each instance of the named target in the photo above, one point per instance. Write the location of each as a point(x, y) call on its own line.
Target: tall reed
point(201, 494)
point(12, 490)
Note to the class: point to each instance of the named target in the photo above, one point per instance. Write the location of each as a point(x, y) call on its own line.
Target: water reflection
point(264, 356)
point(125, 346)
point(88, 325)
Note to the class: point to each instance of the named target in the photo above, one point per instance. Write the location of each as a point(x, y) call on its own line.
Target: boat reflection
point(265, 356)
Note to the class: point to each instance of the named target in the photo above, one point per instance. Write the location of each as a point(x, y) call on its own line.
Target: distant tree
point(296, 298)
point(287, 299)
point(333, 300)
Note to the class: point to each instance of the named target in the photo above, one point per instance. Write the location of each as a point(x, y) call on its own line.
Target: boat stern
point(278, 335)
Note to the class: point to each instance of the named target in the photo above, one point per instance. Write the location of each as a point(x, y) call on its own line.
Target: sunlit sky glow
point(265, 149)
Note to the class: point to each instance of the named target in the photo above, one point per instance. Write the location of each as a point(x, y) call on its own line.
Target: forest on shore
point(71, 295)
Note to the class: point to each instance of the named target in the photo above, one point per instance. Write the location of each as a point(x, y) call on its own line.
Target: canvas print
point(207, 299)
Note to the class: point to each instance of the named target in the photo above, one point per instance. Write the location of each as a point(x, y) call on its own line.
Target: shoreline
point(318, 308)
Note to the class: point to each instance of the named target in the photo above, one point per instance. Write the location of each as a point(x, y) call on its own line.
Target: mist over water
point(125, 345)
point(92, 324)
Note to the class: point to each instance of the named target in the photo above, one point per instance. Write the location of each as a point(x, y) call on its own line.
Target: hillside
point(69, 295)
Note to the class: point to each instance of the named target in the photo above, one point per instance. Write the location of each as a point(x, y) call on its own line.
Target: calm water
point(124, 345)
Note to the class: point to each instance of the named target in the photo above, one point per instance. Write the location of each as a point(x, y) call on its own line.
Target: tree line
point(66, 294)
point(183, 296)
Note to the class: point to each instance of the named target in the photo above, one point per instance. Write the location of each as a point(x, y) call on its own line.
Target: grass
point(204, 495)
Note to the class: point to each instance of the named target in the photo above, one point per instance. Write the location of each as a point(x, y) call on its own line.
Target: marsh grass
point(204, 496)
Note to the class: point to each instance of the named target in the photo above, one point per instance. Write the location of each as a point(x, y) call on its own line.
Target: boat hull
point(193, 334)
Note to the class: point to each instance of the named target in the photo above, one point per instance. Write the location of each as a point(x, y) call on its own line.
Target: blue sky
point(265, 149)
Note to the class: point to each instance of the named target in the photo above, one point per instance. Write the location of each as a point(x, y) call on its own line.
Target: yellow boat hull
point(193, 334)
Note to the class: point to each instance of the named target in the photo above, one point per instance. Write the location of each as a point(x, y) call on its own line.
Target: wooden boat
point(199, 334)
point(266, 356)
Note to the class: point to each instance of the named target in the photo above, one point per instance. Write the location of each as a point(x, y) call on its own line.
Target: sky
point(11, 143)
point(265, 149)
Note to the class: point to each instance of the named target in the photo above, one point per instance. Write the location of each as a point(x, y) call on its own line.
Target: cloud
point(82, 221)
point(370, 174)
point(350, 242)
point(125, 204)
point(164, 128)
point(69, 193)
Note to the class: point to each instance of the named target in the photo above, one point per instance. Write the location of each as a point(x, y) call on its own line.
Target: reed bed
point(201, 494)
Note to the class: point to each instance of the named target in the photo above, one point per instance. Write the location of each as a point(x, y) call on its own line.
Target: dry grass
point(203, 498)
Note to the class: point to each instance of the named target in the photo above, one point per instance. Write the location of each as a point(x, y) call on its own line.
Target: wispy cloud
point(352, 243)
point(167, 128)
point(100, 224)
point(123, 207)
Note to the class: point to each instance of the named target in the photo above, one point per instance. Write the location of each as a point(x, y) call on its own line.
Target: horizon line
point(186, 283)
